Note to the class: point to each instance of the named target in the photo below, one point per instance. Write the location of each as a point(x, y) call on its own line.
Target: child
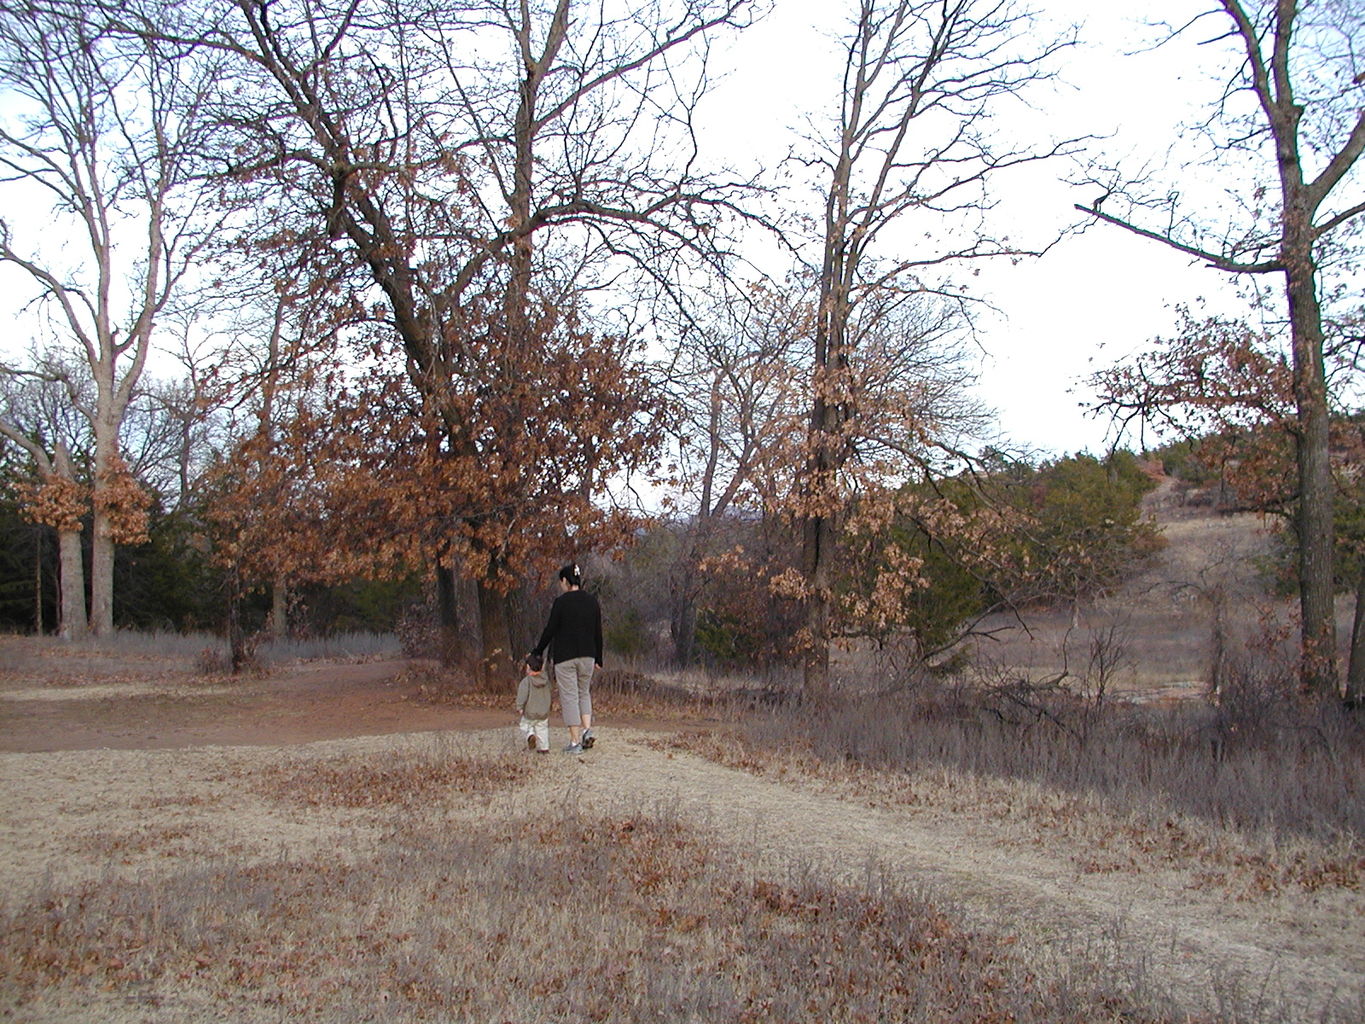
point(533, 701)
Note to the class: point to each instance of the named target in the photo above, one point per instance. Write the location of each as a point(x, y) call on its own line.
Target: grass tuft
point(405, 781)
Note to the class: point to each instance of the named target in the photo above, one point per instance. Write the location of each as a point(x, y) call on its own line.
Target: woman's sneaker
point(588, 739)
point(574, 748)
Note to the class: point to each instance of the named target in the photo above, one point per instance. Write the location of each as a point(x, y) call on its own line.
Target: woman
point(574, 637)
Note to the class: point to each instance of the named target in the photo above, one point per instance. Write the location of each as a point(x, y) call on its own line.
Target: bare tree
point(920, 79)
point(1288, 133)
point(100, 124)
point(736, 382)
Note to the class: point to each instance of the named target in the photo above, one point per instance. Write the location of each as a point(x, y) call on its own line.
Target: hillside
point(1162, 621)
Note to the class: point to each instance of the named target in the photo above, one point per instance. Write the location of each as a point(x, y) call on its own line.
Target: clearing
point(94, 745)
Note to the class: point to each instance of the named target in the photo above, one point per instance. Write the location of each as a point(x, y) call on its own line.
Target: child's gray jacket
point(533, 697)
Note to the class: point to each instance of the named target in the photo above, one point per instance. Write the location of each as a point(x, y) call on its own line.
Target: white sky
point(1095, 297)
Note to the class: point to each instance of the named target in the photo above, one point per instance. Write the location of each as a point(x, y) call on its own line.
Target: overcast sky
point(1093, 298)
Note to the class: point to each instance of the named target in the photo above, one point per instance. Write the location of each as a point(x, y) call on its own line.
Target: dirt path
point(1304, 948)
point(158, 768)
point(124, 709)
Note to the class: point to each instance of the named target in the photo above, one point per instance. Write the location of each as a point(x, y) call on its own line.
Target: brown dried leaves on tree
point(488, 475)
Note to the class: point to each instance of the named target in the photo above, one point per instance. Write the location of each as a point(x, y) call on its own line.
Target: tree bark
point(38, 623)
point(455, 628)
point(72, 623)
point(1355, 672)
point(239, 652)
point(101, 577)
point(819, 543)
point(1318, 637)
point(497, 652)
point(682, 624)
point(112, 402)
point(279, 606)
point(522, 630)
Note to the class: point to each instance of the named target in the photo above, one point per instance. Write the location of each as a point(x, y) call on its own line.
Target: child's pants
point(537, 727)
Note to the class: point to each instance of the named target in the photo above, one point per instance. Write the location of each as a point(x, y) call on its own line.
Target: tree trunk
point(279, 607)
point(101, 577)
point(819, 548)
point(683, 592)
point(455, 627)
point(1218, 655)
point(682, 628)
point(1318, 637)
point(447, 604)
point(72, 623)
point(522, 630)
point(1355, 672)
point(38, 580)
point(239, 653)
point(496, 662)
point(101, 535)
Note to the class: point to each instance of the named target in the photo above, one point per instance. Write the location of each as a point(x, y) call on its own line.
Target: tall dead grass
point(189, 646)
point(1256, 760)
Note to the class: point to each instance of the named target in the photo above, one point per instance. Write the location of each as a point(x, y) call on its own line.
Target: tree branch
point(1212, 259)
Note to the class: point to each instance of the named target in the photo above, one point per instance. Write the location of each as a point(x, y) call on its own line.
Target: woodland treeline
point(457, 292)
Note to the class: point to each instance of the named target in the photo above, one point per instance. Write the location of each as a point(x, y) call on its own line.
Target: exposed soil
point(302, 704)
point(84, 744)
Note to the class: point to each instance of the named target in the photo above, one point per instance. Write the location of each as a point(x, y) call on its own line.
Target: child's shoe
point(531, 741)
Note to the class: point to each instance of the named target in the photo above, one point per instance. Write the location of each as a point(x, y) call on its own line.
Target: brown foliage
point(125, 501)
point(61, 503)
point(487, 471)
point(56, 502)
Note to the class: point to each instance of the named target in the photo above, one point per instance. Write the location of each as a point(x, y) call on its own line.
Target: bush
point(627, 635)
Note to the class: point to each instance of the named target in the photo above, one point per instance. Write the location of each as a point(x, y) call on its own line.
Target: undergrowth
point(1258, 760)
point(210, 649)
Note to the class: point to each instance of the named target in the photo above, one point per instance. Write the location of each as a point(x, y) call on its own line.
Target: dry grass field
point(323, 843)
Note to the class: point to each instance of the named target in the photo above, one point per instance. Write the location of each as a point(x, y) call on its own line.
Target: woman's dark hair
point(572, 575)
